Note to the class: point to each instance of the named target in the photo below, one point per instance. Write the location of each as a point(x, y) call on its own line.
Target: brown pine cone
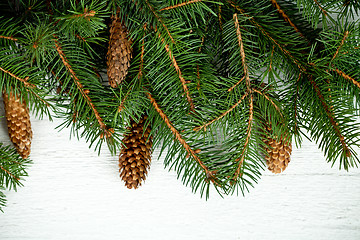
point(18, 121)
point(278, 152)
point(119, 53)
point(135, 156)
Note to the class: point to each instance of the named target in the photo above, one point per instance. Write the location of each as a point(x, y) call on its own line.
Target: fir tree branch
point(269, 99)
point(285, 16)
point(282, 48)
point(231, 88)
point(223, 114)
point(219, 17)
point(271, 58)
point(248, 135)
point(9, 38)
point(142, 53)
point(322, 9)
point(346, 34)
point(84, 92)
point(295, 102)
point(330, 116)
point(86, 14)
point(159, 19)
point(180, 5)
point(178, 71)
point(242, 52)
point(23, 80)
point(9, 173)
point(209, 174)
point(347, 77)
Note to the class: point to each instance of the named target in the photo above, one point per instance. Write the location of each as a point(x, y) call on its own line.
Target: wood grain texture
point(71, 193)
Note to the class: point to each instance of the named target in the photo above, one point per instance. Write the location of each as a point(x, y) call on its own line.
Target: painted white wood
point(71, 193)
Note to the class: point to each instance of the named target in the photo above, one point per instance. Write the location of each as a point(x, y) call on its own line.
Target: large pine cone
point(135, 156)
point(18, 121)
point(278, 152)
point(119, 53)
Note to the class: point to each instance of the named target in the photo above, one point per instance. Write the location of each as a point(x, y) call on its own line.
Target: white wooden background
point(71, 193)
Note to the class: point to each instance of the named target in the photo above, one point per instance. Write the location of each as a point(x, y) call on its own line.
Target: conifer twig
point(223, 114)
point(178, 136)
point(283, 49)
point(180, 5)
point(330, 116)
point(232, 88)
point(321, 8)
point(344, 75)
point(220, 21)
point(346, 34)
point(295, 102)
point(86, 14)
point(142, 53)
point(23, 80)
point(9, 38)
point(9, 173)
point(160, 20)
point(242, 52)
point(285, 16)
point(269, 99)
point(248, 135)
point(83, 91)
point(178, 71)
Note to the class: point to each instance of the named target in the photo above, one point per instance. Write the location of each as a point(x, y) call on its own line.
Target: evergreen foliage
point(12, 170)
point(208, 74)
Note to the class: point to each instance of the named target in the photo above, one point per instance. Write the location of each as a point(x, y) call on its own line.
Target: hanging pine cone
point(18, 121)
point(119, 53)
point(135, 156)
point(278, 152)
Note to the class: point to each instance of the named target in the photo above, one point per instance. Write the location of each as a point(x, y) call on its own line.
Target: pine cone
point(119, 53)
point(18, 121)
point(278, 153)
point(135, 157)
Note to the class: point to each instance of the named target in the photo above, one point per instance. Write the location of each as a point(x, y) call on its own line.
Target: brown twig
point(121, 106)
point(220, 22)
point(330, 116)
point(344, 75)
point(10, 38)
point(242, 156)
point(242, 52)
point(180, 5)
point(178, 136)
point(287, 19)
point(23, 80)
point(268, 98)
point(285, 51)
point(230, 89)
point(223, 114)
point(160, 20)
point(142, 53)
point(9, 173)
point(271, 58)
point(86, 14)
point(295, 102)
point(322, 9)
point(346, 34)
point(178, 71)
point(83, 91)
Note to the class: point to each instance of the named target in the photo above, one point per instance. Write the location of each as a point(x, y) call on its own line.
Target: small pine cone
point(135, 157)
point(19, 125)
point(278, 153)
point(119, 53)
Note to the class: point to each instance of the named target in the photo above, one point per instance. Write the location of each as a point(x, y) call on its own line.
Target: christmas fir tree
point(222, 87)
